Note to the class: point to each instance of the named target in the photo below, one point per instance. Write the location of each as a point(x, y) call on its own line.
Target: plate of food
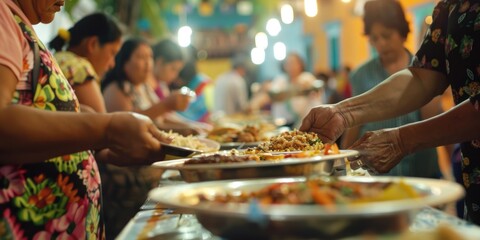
point(187, 146)
point(307, 208)
point(232, 136)
point(240, 165)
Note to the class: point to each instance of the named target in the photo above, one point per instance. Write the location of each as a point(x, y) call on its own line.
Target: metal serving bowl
point(238, 220)
point(317, 165)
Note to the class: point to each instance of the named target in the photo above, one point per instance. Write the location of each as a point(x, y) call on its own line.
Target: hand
point(325, 120)
point(379, 150)
point(178, 101)
point(133, 137)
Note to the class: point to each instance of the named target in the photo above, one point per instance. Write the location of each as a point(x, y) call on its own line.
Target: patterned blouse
point(60, 197)
point(452, 47)
point(76, 69)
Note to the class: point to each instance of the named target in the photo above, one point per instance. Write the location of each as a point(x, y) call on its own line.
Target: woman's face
point(139, 67)
point(167, 71)
point(387, 41)
point(40, 11)
point(103, 56)
point(293, 66)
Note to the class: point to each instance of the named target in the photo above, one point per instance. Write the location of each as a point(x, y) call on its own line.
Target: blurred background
point(328, 34)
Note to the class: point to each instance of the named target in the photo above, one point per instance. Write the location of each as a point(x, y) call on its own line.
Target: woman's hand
point(379, 150)
point(133, 139)
point(327, 121)
point(180, 100)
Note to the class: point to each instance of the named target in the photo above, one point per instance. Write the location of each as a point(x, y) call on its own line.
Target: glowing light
point(258, 56)
point(428, 20)
point(279, 51)
point(286, 13)
point(346, 1)
point(311, 8)
point(261, 40)
point(273, 27)
point(184, 36)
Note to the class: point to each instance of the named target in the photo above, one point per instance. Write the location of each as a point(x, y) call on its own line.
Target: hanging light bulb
point(279, 51)
point(286, 13)
point(273, 27)
point(258, 56)
point(311, 8)
point(261, 40)
point(184, 36)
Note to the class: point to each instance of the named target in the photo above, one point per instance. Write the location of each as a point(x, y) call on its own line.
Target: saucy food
point(325, 191)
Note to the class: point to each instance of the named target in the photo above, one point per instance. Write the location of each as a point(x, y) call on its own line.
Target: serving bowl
point(316, 165)
point(252, 221)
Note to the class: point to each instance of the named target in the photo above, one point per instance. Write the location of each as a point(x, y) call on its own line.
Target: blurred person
point(293, 93)
point(52, 180)
point(125, 88)
point(448, 56)
point(92, 44)
point(387, 29)
point(231, 93)
point(168, 62)
point(331, 94)
point(197, 82)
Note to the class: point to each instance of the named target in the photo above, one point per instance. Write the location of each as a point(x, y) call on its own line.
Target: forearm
point(459, 124)
point(401, 93)
point(155, 110)
point(34, 135)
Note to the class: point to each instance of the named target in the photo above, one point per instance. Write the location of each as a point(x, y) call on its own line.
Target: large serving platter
point(238, 221)
point(288, 167)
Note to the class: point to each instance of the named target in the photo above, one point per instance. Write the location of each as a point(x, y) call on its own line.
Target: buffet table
point(154, 221)
point(161, 224)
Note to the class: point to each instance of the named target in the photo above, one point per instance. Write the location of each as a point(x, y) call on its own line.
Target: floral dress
point(59, 198)
point(76, 69)
point(452, 47)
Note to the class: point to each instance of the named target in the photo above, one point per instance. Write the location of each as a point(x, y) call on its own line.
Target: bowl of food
point(240, 165)
point(307, 208)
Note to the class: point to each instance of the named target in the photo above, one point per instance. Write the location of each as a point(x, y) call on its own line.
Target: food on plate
point(229, 134)
point(321, 191)
point(189, 141)
point(290, 141)
point(233, 157)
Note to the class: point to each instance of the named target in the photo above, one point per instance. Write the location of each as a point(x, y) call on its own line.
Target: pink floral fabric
point(59, 198)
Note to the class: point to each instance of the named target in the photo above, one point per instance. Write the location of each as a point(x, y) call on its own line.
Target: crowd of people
point(100, 101)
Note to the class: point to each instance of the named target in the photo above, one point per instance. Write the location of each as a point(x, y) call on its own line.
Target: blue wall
point(293, 37)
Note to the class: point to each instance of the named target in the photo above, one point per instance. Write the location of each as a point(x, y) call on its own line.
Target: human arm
point(31, 135)
point(401, 93)
point(117, 100)
point(382, 150)
point(350, 136)
point(89, 94)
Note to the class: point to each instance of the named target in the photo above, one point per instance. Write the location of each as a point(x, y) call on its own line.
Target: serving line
point(157, 222)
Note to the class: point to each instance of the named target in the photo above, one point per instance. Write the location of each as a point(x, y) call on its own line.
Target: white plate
point(179, 163)
point(436, 192)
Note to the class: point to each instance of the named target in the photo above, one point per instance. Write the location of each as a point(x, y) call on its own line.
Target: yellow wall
point(214, 67)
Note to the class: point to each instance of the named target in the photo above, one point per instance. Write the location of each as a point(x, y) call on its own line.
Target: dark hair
point(96, 24)
point(117, 74)
point(167, 50)
point(293, 54)
point(386, 12)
